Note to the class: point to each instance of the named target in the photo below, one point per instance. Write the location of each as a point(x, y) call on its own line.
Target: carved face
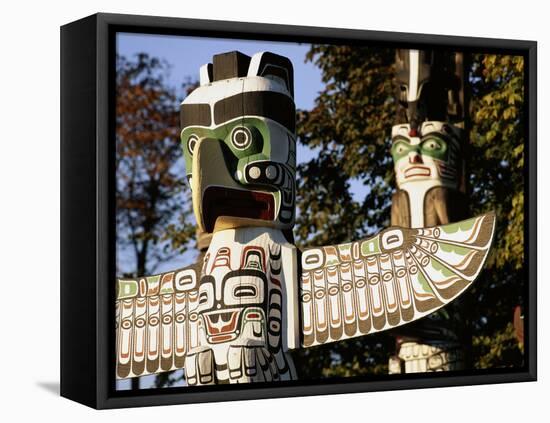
point(239, 143)
point(235, 302)
point(432, 156)
point(244, 303)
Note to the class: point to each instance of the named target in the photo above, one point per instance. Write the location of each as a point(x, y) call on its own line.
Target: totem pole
point(428, 151)
point(234, 318)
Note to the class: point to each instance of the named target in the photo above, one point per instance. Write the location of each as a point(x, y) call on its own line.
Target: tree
point(152, 198)
point(497, 140)
point(349, 127)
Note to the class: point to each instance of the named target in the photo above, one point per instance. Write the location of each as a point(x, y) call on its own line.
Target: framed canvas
point(257, 211)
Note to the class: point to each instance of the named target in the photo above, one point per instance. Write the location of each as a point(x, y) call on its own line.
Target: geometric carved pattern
point(153, 323)
point(417, 358)
point(225, 327)
point(393, 278)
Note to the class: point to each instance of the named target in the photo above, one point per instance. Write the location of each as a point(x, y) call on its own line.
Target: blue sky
point(187, 54)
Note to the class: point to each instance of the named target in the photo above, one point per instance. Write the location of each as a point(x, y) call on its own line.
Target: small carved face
point(235, 303)
point(242, 304)
point(239, 146)
point(431, 155)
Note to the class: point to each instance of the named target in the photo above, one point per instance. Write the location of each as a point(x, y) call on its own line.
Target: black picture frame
point(87, 208)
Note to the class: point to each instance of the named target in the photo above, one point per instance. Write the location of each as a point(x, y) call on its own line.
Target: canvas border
point(87, 174)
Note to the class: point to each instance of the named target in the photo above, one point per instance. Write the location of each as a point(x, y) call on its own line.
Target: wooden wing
point(155, 323)
point(393, 278)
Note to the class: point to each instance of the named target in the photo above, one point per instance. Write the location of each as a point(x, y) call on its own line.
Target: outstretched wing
point(393, 278)
point(154, 326)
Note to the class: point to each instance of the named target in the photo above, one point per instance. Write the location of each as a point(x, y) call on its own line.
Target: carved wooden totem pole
point(234, 317)
point(427, 150)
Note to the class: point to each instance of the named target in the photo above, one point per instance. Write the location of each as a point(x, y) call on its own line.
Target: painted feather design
point(390, 279)
point(346, 290)
point(156, 324)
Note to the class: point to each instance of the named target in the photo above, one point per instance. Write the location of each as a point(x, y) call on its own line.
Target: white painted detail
point(219, 90)
point(255, 172)
point(392, 239)
point(204, 77)
point(185, 280)
point(414, 65)
point(312, 259)
point(236, 240)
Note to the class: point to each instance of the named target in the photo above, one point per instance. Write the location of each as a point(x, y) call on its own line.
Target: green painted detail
point(259, 147)
point(333, 262)
point(277, 198)
point(345, 249)
point(370, 246)
point(400, 149)
point(456, 249)
point(432, 146)
point(154, 280)
point(465, 225)
point(424, 283)
point(127, 289)
point(445, 271)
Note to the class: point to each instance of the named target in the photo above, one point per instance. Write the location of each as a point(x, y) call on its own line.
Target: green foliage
point(501, 349)
point(496, 167)
point(349, 129)
point(497, 140)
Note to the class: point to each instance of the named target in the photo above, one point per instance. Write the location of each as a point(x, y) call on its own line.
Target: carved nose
point(415, 158)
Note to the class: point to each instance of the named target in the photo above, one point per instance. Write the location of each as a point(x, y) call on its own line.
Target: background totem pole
point(234, 317)
point(428, 150)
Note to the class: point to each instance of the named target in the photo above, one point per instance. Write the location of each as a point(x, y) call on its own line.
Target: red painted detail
point(276, 282)
point(218, 201)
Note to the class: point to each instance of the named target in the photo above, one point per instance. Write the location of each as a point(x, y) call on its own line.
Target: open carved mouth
point(221, 326)
point(220, 201)
point(417, 171)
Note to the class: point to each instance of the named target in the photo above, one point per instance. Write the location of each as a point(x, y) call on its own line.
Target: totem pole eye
point(245, 291)
point(191, 143)
point(431, 145)
point(203, 297)
point(241, 138)
point(400, 148)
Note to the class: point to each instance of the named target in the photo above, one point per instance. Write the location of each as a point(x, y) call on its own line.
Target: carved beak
point(216, 194)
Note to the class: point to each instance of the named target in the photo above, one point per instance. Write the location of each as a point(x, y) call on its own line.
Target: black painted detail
point(233, 64)
point(269, 104)
point(195, 115)
point(210, 70)
point(276, 176)
point(280, 66)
